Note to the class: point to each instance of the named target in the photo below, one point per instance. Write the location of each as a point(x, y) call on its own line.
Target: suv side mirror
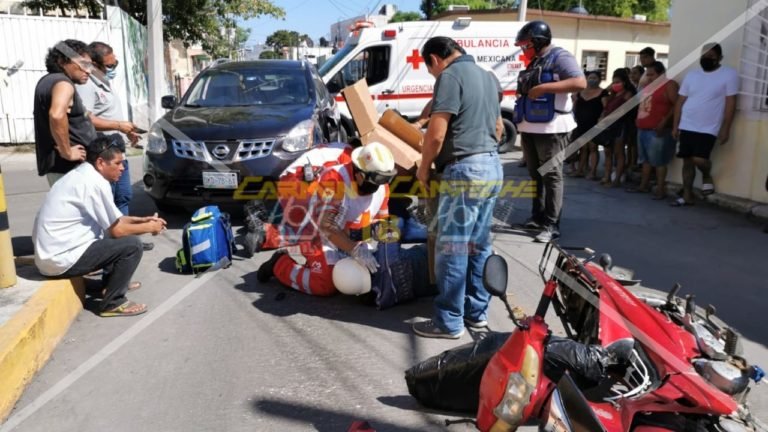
point(168, 102)
point(335, 84)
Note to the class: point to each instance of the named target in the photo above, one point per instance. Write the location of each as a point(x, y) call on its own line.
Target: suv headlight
point(301, 137)
point(156, 140)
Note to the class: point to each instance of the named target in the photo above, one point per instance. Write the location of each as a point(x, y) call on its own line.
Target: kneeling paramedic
point(265, 229)
point(342, 202)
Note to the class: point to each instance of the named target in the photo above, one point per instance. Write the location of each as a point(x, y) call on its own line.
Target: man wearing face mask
point(703, 116)
point(106, 112)
point(330, 216)
point(545, 121)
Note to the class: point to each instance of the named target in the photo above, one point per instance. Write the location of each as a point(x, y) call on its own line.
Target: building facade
point(598, 42)
point(740, 166)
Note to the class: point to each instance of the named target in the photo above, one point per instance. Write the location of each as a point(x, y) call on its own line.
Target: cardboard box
point(366, 117)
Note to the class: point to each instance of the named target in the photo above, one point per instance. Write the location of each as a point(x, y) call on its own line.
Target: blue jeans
point(121, 190)
point(657, 151)
point(468, 192)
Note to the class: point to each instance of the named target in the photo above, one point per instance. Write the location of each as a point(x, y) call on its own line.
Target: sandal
point(680, 202)
point(128, 308)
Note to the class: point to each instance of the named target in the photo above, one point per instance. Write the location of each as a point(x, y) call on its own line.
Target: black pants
point(540, 149)
point(119, 259)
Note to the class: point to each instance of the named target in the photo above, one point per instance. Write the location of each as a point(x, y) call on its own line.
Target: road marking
point(109, 349)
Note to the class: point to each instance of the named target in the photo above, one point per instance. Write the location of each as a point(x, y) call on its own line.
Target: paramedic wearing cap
point(344, 198)
point(463, 133)
point(545, 88)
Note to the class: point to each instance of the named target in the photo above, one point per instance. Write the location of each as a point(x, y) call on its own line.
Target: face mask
point(111, 74)
point(367, 188)
point(708, 64)
point(593, 83)
point(528, 50)
point(617, 87)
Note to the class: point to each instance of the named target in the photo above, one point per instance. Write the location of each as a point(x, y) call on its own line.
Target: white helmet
point(351, 278)
point(374, 157)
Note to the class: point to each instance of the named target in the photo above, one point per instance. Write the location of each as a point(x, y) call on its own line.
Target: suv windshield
point(328, 65)
point(258, 86)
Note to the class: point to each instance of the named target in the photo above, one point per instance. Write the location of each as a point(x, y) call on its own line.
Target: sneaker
point(267, 270)
point(531, 223)
point(547, 234)
point(475, 324)
point(428, 329)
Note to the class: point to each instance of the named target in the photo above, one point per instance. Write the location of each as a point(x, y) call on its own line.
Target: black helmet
point(537, 32)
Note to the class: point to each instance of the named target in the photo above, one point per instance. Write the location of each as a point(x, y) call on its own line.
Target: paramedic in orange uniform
point(343, 199)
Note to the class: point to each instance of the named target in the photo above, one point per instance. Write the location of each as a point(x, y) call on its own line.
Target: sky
point(315, 17)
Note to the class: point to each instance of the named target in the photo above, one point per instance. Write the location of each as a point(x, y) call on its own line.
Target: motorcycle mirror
point(711, 310)
point(605, 261)
point(495, 275)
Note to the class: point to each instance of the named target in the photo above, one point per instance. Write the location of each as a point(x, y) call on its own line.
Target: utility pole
point(156, 58)
point(522, 10)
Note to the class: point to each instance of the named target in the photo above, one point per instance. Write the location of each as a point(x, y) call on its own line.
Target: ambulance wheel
point(509, 136)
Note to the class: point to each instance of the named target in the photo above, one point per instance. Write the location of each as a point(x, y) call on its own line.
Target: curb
point(28, 339)
point(752, 209)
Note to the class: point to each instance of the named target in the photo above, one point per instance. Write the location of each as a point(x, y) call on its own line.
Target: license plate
point(220, 180)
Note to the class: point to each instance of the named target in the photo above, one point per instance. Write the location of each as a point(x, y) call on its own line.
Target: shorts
point(658, 151)
point(695, 144)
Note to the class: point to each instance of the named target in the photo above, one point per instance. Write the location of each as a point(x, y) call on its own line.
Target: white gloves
point(364, 257)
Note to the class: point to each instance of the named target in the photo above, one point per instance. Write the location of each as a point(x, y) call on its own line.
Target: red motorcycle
point(633, 359)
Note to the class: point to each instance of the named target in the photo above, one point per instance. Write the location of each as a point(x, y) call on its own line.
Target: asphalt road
point(225, 353)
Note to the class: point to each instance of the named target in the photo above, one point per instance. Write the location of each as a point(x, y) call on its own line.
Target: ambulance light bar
point(390, 34)
point(463, 21)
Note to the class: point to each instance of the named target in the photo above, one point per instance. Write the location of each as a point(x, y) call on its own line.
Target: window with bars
point(595, 61)
point(754, 61)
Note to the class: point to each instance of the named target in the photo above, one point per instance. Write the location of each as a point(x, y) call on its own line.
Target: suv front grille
point(205, 151)
point(254, 149)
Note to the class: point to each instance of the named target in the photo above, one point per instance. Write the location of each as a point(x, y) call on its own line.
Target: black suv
point(236, 129)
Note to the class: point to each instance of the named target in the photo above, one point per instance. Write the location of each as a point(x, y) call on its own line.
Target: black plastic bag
point(586, 363)
point(451, 380)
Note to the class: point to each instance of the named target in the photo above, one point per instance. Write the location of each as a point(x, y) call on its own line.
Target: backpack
point(207, 239)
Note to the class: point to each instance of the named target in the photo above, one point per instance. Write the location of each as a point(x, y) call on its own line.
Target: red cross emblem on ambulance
point(414, 59)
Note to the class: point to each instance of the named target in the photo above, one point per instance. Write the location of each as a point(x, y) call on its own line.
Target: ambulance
point(388, 58)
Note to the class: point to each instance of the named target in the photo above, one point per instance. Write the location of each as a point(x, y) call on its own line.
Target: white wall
point(739, 167)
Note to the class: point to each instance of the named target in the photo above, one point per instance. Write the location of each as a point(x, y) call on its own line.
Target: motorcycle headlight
point(156, 140)
point(301, 137)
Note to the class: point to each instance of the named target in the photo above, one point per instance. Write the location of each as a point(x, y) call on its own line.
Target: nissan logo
point(220, 151)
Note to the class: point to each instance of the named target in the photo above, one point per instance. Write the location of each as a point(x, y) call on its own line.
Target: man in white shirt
point(79, 229)
point(703, 116)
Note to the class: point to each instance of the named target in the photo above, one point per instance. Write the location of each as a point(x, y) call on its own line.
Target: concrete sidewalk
point(35, 315)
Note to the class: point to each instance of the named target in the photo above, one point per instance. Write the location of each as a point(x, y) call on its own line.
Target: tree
point(268, 54)
point(324, 42)
point(435, 7)
point(287, 38)
point(400, 16)
point(211, 23)
point(656, 10)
